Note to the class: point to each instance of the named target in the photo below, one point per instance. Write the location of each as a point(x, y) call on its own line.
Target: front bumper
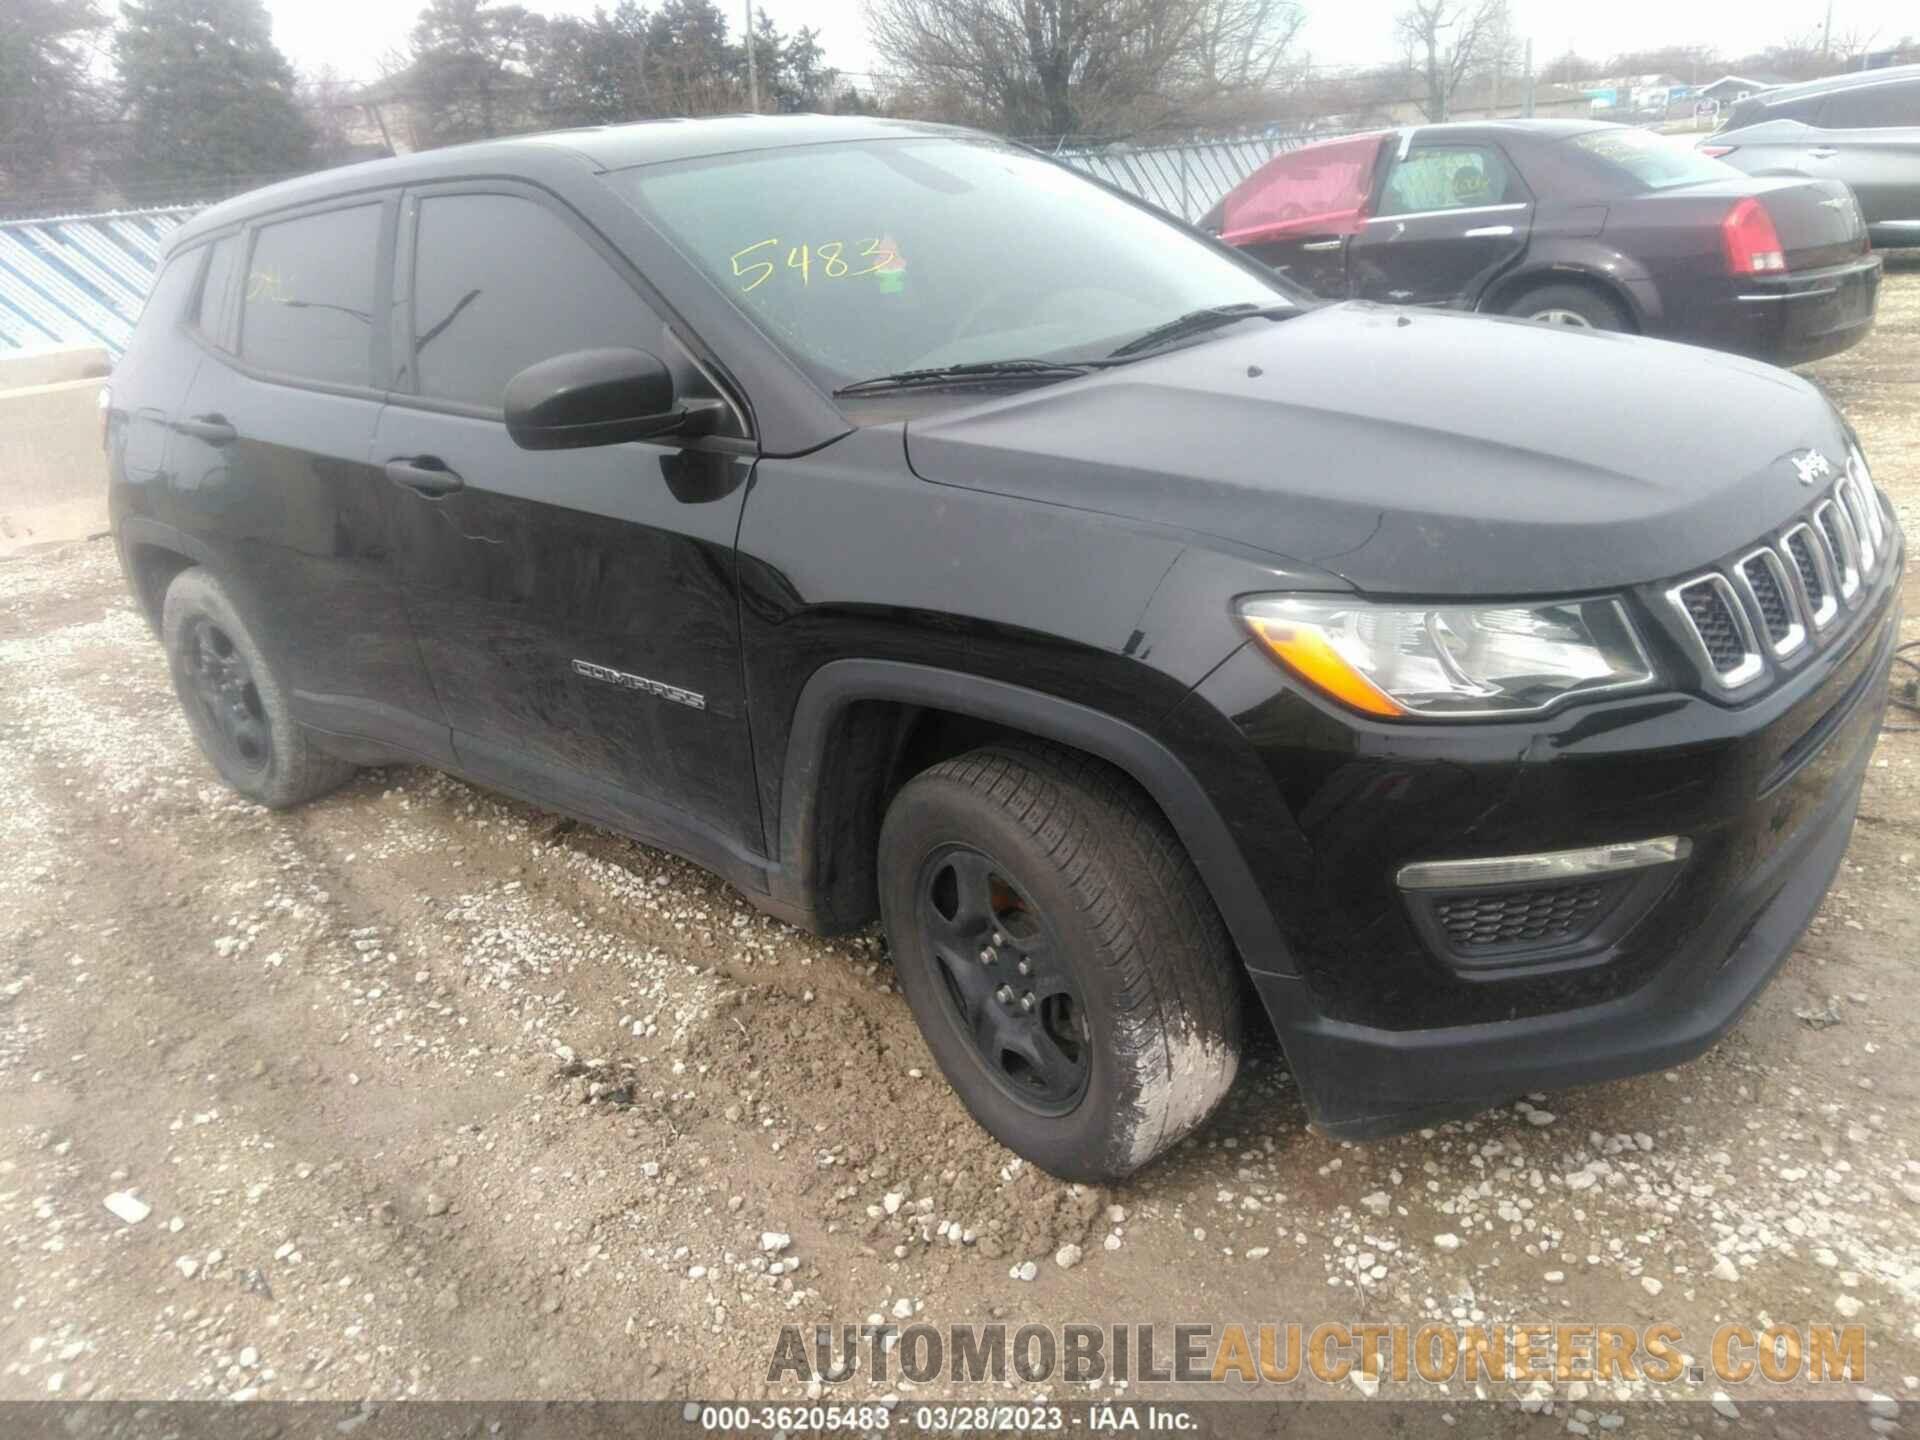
point(1385, 1032)
point(1362, 1082)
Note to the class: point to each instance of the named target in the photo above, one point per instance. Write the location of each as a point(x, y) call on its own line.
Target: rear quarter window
point(170, 291)
point(1873, 107)
point(307, 310)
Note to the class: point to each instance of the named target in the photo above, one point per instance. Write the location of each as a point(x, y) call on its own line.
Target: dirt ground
point(433, 1094)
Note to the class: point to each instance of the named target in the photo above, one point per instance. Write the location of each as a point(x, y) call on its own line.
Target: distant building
point(1621, 97)
point(1729, 88)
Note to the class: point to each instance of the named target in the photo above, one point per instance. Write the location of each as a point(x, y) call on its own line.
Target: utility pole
point(1529, 79)
point(753, 70)
point(1826, 33)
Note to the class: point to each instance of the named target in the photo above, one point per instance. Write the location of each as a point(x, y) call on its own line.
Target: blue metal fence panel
point(80, 279)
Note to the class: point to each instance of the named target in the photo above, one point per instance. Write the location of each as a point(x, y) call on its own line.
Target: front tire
point(234, 702)
point(1571, 305)
point(1063, 958)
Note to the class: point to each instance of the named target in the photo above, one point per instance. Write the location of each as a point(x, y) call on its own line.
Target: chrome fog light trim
point(1545, 865)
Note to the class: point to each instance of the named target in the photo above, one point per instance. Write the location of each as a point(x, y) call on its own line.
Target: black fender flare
point(139, 530)
point(1156, 769)
point(133, 532)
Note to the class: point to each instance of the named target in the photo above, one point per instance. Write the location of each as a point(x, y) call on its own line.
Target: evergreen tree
point(470, 69)
point(206, 95)
point(45, 91)
point(593, 71)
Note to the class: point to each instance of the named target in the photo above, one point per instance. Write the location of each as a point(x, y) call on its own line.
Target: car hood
point(1415, 452)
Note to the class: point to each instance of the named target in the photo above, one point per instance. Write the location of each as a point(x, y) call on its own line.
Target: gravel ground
point(421, 1092)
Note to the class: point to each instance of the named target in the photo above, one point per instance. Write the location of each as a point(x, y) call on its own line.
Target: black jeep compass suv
point(905, 527)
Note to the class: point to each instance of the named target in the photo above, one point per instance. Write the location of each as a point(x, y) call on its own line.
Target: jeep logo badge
point(1812, 466)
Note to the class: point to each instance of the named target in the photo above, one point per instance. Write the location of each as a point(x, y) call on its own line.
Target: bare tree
point(1447, 41)
point(1066, 67)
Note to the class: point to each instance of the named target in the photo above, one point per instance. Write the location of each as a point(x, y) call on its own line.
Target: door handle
point(1483, 231)
point(1823, 153)
point(213, 429)
point(424, 474)
point(1323, 245)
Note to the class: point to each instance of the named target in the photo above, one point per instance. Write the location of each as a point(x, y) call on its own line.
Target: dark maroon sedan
point(1568, 222)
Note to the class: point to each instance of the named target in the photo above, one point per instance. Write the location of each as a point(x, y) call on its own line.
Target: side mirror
point(591, 397)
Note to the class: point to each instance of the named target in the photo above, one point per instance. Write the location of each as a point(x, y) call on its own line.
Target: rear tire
point(234, 701)
point(1574, 306)
point(1103, 1023)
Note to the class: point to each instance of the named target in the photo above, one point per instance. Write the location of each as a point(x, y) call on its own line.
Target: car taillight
point(106, 413)
point(1752, 245)
point(1714, 152)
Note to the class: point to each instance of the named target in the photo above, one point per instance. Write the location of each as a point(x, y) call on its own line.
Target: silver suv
point(1862, 127)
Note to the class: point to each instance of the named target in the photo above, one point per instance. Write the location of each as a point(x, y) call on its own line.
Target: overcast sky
point(351, 35)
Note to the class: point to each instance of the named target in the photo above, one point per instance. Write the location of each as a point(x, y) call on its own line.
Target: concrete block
point(52, 365)
point(53, 472)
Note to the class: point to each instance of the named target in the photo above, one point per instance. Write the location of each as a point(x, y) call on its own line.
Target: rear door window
point(213, 317)
point(1450, 177)
point(1873, 107)
point(501, 282)
point(307, 312)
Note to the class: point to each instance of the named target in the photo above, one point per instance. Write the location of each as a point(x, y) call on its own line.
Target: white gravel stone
point(128, 1206)
point(892, 1202)
point(1378, 1202)
point(1651, 1285)
point(1847, 1305)
point(1025, 1270)
point(774, 1241)
point(1883, 1406)
point(903, 1309)
point(1448, 1241)
point(1723, 1406)
point(1067, 1256)
point(1725, 1269)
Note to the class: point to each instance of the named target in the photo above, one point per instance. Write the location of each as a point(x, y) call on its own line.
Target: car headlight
point(1452, 662)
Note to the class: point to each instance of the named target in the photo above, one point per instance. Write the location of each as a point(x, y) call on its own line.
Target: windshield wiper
point(1198, 322)
point(972, 370)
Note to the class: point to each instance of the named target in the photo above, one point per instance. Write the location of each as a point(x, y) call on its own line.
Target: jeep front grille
point(1723, 636)
point(1772, 601)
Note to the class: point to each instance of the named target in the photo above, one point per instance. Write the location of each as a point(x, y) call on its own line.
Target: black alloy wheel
point(234, 700)
point(1067, 967)
point(1012, 994)
point(221, 683)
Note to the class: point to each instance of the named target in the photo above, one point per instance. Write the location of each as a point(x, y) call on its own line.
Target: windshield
point(1658, 162)
point(872, 257)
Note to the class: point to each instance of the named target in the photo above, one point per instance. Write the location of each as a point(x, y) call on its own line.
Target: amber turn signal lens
point(1306, 651)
